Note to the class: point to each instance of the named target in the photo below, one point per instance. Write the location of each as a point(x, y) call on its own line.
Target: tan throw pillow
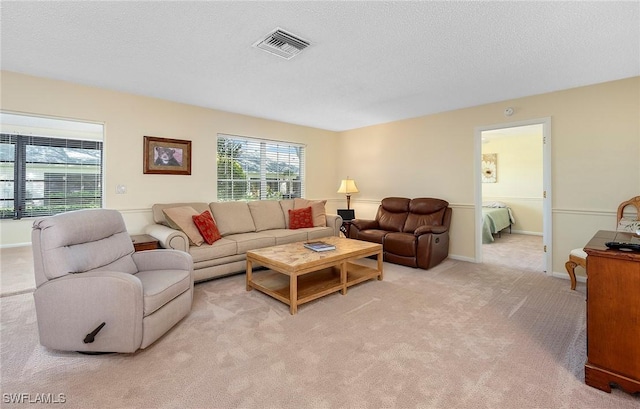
point(286, 205)
point(181, 218)
point(317, 208)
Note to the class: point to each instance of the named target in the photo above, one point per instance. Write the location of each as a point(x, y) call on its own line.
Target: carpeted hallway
point(461, 335)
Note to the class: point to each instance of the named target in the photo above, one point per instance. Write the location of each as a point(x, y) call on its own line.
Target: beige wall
point(127, 118)
point(595, 133)
point(595, 143)
point(519, 181)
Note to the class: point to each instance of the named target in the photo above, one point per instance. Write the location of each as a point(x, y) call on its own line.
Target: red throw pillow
point(207, 227)
point(300, 218)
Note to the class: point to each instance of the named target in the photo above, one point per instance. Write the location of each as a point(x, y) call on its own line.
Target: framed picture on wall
point(489, 168)
point(166, 156)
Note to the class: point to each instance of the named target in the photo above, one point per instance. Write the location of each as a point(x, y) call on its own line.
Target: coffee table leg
point(249, 274)
point(380, 266)
point(343, 277)
point(293, 294)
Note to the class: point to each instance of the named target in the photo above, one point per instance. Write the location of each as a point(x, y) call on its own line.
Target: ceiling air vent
point(282, 44)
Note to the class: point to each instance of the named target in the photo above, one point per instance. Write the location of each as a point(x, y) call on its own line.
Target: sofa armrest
point(362, 224)
point(335, 222)
point(169, 238)
point(164, 259)
point(438, 229)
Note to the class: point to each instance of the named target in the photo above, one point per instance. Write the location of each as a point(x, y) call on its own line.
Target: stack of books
point(319, 246)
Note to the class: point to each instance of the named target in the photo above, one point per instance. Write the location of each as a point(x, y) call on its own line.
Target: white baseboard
point(565, 276)
point(8, 246)
point(462, 258)
point(528, 233)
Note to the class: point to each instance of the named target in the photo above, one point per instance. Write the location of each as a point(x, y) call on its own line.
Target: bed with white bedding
point(496, 216)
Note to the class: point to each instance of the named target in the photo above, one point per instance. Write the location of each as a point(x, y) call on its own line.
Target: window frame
point(17, 131)
point(286, 186)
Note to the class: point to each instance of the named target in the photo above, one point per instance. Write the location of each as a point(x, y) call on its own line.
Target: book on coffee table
point(319, 246)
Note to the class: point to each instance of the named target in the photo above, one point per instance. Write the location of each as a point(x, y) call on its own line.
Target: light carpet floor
point(460, 335)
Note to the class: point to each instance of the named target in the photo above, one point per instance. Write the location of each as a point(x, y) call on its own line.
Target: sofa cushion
point(319, 232)
point(207, 227)
point(391, 221)
point(401, 244)
point(300, 218)
point(426, 205)
point(416, 220)
point(425, 212)
point(392, 213)
point(232, 217)
point(286, 205)
point(162, 286)
point(396, 204)
point(180, 218)
point(251, 241)
point(267, 214)
point(221, 248)
point(317, 208)
point(372, 235)
point(284, 236)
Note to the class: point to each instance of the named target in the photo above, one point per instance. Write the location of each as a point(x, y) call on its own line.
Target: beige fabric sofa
point(244, 226)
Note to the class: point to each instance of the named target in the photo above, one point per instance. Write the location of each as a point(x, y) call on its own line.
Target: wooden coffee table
point(311, 274)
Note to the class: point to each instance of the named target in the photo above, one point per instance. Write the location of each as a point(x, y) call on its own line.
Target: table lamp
point(348, 186)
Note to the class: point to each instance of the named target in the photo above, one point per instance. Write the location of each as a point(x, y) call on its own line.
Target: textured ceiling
point(369, 62)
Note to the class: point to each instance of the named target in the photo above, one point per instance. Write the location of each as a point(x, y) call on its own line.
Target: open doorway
point(513, 195)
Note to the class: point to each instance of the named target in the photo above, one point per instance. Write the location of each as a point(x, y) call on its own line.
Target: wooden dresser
point(613, 315)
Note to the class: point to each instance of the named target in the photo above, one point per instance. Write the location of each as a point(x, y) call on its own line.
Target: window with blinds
point(43, 176)
point(258, 169)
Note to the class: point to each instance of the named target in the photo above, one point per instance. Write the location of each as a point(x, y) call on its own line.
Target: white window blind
point(259, 169)
point(41, 175)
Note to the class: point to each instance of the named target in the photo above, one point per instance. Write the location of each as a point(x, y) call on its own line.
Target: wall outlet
point(121, 189)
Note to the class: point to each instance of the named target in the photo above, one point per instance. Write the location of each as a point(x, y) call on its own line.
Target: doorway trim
point(547, 229)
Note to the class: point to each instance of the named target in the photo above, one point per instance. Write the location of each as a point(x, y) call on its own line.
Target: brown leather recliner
point(413, 232)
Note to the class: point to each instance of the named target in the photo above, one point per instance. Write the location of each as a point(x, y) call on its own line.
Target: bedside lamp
point(348, 186)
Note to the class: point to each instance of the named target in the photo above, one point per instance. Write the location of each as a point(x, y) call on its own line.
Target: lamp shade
point(348, 186)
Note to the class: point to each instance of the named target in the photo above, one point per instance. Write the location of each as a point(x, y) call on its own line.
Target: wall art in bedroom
point(489, 167)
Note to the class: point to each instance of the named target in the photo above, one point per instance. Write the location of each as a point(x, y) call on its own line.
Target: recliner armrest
point(362, 224)
point(163, 259)
point(438, 229)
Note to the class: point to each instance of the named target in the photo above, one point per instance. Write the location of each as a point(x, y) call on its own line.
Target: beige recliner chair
point(95, 294)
